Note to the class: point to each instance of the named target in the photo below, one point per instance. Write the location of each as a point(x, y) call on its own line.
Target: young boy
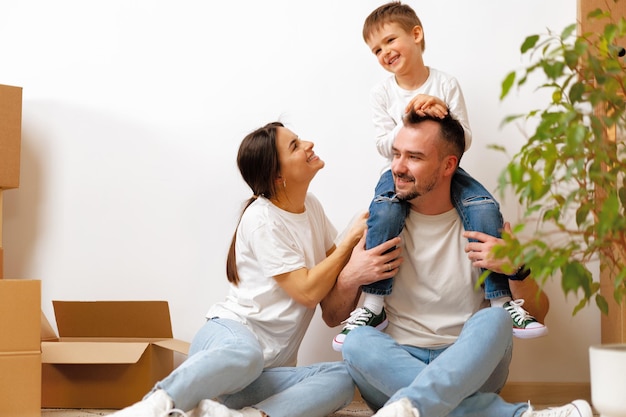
point(395, 35)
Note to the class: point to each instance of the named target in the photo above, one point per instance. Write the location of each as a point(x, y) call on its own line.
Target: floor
point(356, 409)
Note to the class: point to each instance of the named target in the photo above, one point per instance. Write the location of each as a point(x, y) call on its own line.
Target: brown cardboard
point(20, 354)
point(109, 353)
point(20, 384)
point(1, 262)
point(20, 315)
point(10, 135)
point(1, 219)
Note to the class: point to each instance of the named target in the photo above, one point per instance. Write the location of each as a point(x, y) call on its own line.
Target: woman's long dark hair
point(259, 166)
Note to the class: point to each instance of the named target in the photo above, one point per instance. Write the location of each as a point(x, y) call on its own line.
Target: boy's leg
point(386, 220)
point(480, 212)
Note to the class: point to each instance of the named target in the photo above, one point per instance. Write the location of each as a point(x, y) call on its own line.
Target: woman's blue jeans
point(459, 380)
point(226, 363)
point(477, 208)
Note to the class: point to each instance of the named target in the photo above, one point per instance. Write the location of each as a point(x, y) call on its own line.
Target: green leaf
point(602, 304)
point(507, 84)
point(529, 43)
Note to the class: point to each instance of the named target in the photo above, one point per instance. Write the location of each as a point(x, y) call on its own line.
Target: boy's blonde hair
point(392, 12)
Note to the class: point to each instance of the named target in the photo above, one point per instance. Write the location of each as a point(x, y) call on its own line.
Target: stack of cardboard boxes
point(107, 354)
point(20, 299)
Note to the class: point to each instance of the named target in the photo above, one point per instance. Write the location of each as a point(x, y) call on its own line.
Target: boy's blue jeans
point(456, 380)
point(226, 362)
point(477, 208)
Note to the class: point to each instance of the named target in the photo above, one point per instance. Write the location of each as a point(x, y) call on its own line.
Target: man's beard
point(414, 193)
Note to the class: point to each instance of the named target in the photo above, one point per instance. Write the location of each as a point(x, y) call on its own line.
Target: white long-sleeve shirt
point(388, 101)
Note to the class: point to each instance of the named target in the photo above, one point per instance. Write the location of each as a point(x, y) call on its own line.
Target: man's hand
point(480, 252)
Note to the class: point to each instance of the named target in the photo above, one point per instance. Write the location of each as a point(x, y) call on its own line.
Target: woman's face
point(298, 162)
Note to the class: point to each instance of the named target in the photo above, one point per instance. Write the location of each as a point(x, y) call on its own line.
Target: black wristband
point(521, 273)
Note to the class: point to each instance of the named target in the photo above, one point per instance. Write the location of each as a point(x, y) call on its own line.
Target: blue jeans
point(226, 363)
point(459, 380)
point(477, 208)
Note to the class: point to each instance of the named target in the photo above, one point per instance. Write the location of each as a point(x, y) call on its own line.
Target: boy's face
point(394, 47)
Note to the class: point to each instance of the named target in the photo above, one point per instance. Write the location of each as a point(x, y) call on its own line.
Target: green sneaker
point(525, 326)
point(362, 316)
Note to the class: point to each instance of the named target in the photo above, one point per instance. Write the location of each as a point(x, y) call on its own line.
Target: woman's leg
point(225, 357)
point(304, 391)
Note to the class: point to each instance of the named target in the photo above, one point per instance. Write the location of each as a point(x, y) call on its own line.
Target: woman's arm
point(309, 286)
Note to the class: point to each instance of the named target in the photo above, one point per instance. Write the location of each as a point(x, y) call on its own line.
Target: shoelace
point(358, 317)
point(517, 312)
point(175, 412)
point(569, 410)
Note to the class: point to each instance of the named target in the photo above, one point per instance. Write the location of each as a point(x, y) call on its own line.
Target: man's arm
point(480, 253)
point(364, 267)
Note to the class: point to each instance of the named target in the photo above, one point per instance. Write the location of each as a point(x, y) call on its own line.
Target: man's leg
point(379, 365)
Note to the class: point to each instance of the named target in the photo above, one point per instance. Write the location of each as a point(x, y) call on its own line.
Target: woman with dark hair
point(282, 262)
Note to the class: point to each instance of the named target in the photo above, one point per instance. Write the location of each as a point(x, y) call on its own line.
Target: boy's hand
point(424, 104)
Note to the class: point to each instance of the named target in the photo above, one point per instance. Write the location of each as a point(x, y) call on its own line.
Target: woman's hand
point(356, 231)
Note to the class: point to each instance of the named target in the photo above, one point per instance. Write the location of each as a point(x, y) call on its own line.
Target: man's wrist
point(521, 273)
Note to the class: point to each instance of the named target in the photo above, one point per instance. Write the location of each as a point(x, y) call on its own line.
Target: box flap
point(92, 352)
point(135, 319)
point(47, 332)
point(175, 345)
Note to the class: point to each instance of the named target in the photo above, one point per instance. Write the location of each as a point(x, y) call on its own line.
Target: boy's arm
point(386, 119)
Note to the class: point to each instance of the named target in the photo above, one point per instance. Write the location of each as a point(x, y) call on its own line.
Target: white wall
point(133, 112)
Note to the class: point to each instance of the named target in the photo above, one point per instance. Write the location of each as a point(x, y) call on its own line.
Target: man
point(445, 352)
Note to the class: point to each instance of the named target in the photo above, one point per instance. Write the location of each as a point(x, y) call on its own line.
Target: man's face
point(417, 164)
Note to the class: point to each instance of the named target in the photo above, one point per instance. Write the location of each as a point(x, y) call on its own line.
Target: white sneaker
point(210, 408)
point(578, 408)
point(157, 404)
point(400, 408)
point(525, 326)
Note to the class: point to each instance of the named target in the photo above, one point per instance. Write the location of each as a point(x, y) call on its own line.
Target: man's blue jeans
point(226, 363)
point(477, 208)
point(459, 380)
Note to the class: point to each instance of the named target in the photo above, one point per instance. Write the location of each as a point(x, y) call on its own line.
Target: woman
point(282, 262)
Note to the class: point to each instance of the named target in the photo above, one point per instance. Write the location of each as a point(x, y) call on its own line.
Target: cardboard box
point(20, 354)
point(20, 315)
point(1, 262)
point(109, 354)
point(10, 135)
point(20, 385)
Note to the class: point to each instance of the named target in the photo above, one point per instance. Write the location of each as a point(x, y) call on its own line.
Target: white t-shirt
point(434, 291)
point(388, 101)
point(271, 241)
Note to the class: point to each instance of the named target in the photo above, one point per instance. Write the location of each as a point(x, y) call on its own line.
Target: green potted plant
point(570, 176)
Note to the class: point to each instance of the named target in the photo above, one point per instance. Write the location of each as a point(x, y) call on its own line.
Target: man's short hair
point(450, 129)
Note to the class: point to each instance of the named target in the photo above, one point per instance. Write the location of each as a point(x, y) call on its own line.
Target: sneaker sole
point(337, 345)
point(530, 333)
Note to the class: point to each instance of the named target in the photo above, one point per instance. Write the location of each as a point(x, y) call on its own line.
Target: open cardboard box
point(108, 354)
